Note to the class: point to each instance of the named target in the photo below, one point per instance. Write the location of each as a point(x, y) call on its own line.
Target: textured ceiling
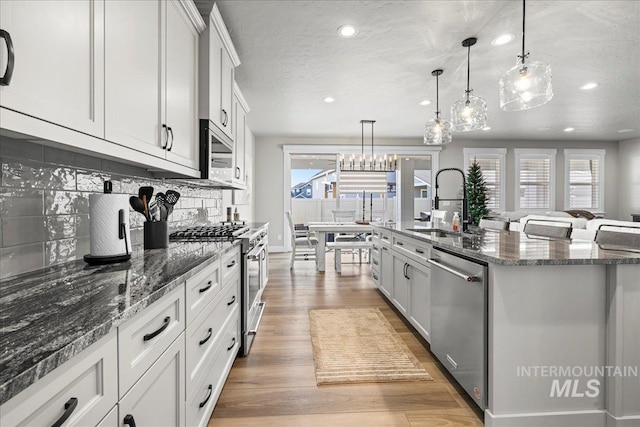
point(292, 58)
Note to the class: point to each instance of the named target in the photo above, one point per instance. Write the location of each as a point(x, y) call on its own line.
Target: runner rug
point(360, 345)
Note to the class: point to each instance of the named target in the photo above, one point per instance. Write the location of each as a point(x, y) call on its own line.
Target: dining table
point(321, 229)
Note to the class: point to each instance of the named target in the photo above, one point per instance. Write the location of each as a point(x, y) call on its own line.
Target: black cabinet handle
point(237, 172)
point(152, 335)
point(375, 262)
point(8, 73)
point(399, 243)
point(166, 136)
point(206, 288)
point(404, 271)
point(204, 402)
point(171, 132)
point(375, 277)
point(69, 407)
point(384, 248)
point(210, 332)
point(233, 342)
point(232, 264)
point(232, 300)
point(420, 251)
point(128, 420)
point(226, 117)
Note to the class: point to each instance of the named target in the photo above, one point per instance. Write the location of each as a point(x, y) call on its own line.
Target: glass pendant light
point(438, 130)
point(527, 85)
point(470, 112)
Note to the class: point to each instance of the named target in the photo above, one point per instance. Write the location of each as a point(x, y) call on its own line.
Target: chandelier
point(470, 112)
point(372, 163)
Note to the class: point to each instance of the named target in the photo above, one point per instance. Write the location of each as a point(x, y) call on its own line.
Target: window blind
point(357, 182)
point(535, 183)
point(490, 168)
point(584, 183)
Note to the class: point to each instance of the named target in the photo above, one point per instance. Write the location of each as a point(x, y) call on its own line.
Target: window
point(584, 179)
point(492, 165)
point(535, 179)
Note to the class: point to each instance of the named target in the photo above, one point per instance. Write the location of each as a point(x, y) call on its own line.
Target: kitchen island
point(562, 319)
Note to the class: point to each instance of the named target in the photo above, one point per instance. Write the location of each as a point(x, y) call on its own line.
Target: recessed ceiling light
point(329, 99)
point(569, 129)
point(425, 102)
point(625, 130)
point(486, 128)
point(347, 31)
point(503, 39)
point(589, 86)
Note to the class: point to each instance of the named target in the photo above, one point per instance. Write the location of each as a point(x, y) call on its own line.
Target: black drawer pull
point(233, 343)
point(232, 300)
point(210, 332)
point(385, 238)
point(204, 402)
point(420, 251)
point(206, 288)
point(375, 262)
point(128, 420)
point(399, 243)
point(384, 248)
point(171, 132)
point(69, 407)
point(232, 264)
point(152, 335)
point(375, 277)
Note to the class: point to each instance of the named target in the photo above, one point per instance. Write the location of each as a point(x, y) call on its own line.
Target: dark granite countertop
point(49, 316)
point(515, 248)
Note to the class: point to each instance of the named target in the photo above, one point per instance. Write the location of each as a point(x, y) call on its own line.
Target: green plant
point(477, 193)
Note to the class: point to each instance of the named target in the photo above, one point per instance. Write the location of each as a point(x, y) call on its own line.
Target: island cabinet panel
point(58, 66)
point(230, 265)
point(111, 419)
point(400, 284)
point(420, 298)
point(386, 270)
point(82, 391)
point(142, 339)
point(158, 398)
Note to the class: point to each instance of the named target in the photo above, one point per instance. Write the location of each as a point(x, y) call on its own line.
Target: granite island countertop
point(516, 248)
point(50, 315)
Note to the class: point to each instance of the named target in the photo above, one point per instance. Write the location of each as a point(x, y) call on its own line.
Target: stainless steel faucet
point(465, 213)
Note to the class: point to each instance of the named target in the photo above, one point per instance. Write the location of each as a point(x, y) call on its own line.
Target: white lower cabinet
point(400, 284)
point(111, 420)
point(420, 298)
point(78, 393)
point(386, 271)
point(158, 398)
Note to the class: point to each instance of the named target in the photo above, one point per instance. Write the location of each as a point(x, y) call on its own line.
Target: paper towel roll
point(104, 220)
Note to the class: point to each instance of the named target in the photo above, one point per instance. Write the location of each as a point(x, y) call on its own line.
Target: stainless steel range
point(254, 271)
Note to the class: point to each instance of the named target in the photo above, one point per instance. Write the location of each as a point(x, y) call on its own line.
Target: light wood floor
point(275, 385)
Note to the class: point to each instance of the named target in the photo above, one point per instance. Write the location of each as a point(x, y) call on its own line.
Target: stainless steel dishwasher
point(459, 320)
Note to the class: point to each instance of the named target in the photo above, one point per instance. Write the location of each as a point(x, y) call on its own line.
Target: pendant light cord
point(468, 71)
point(362, 149)
point(437, 97)
point(523, 56)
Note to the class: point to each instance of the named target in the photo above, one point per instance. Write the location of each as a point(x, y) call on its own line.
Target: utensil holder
point(156, 234)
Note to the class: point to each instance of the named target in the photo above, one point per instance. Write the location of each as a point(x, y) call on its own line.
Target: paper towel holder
point(122, 234)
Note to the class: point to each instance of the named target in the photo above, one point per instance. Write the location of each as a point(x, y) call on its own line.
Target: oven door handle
point(262, 305)
point(255, 252)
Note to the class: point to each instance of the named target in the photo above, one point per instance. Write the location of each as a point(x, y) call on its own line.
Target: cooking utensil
point(171, 198)
point(137, 204)
point(160, 202)
point(145, 193)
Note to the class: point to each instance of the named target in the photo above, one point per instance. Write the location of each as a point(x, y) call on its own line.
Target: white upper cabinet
point(240, 159)
point(56, 61)
point(182, 86)
point(151, 78)
point(218, 59)
point(135, 75)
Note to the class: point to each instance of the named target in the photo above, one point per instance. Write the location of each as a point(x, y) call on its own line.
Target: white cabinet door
point(58, 69)
point(158, 398)
point(134, 76)
point(386, 271)
point(182, 86)
point(226, 92)
point(239, 118)
point(400, 284)
point(420, 298)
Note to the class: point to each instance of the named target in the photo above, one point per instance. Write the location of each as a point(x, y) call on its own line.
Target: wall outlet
point(279, 237)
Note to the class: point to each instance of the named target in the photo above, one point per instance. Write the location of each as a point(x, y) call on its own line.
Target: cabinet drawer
point(375, 261)
point(230, 265)
point(86, 383)
point(205, 395)
point(414, 249)
point(142, 339)
point(375, 276)
point(206, 332)
point(202, 289)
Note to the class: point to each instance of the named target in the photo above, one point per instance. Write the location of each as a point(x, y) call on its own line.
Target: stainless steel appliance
point(459, 320)
point(254, 269)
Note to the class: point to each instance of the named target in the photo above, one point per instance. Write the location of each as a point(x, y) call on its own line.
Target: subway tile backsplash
point(44, 203)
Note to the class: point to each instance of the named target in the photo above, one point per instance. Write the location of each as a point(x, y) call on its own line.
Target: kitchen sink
point(436, 232)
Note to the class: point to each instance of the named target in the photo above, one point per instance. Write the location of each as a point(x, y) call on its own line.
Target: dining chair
point(618, 238)
point(542, 228)
point(303, 242)
point(493, 223)
point(347, 216)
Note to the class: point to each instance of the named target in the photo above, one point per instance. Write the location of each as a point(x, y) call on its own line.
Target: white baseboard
point(276, 249)
point(597, 418)
point(631, 421)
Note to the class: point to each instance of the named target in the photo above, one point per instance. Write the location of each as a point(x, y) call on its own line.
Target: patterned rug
point(360, 345)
